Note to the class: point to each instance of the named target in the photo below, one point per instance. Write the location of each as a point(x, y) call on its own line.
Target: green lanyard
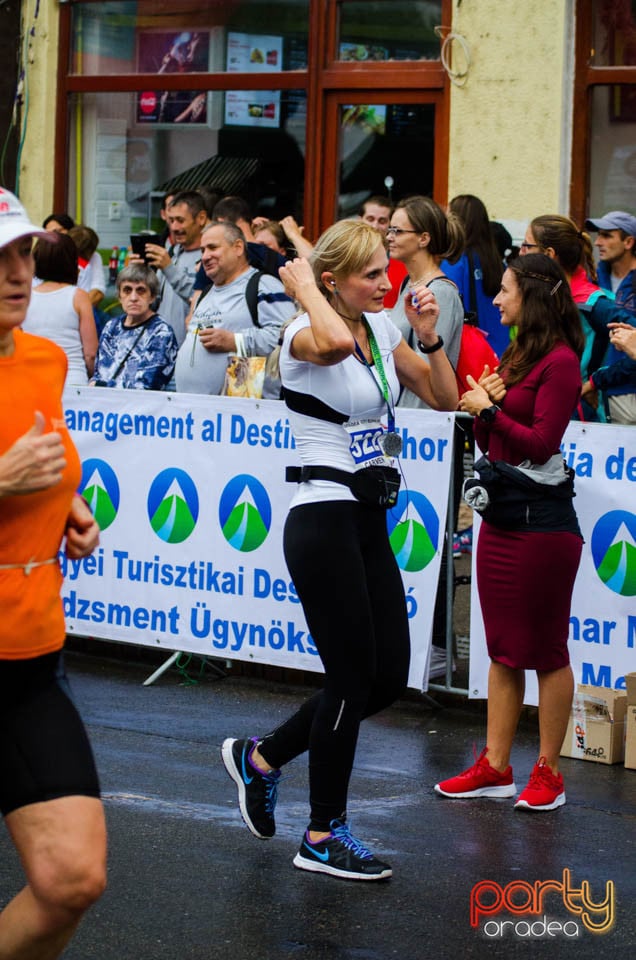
point(391, 441)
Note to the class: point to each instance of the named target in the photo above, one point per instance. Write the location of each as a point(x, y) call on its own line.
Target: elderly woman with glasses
point(137, 350)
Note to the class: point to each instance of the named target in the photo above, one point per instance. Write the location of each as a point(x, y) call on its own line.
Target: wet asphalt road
point(187, 881)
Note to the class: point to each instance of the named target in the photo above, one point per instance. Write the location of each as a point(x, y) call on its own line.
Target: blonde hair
point(343, 249)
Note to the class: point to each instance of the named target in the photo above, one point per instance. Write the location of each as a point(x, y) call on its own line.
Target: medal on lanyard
point(390, 442)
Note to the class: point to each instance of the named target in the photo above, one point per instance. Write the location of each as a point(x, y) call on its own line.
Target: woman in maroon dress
point(526, 565)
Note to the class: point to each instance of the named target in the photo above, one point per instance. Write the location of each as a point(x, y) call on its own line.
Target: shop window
point(150, 36)
point(393, 30)
point(613, 149)
point(126, 161)
point(384, 149)
point(614, 33)
point(604, 130)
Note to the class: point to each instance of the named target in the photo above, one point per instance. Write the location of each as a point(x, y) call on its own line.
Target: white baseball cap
point(14, 221)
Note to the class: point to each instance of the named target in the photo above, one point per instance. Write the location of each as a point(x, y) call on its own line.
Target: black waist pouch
point(376, 486)
point(515, 501)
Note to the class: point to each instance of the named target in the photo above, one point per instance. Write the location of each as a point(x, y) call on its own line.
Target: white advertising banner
point(191, 497)
point(602, 638)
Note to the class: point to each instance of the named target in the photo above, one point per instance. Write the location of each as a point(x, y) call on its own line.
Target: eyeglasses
point(528, 246)
point(396, 231)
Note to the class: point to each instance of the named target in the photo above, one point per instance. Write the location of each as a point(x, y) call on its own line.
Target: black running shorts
point(44, 749)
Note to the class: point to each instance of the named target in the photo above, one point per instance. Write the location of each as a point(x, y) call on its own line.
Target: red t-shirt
point(397, 272)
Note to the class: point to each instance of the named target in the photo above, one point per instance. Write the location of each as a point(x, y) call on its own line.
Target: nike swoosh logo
point(316, 853)
point(246, 779)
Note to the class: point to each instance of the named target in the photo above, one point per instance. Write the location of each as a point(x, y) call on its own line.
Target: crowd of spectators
point(474, 265)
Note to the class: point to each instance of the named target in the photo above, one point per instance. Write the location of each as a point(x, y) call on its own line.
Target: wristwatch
point(488, 414)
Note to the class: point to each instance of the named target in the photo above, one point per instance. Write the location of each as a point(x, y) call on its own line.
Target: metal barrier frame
point(447, 686)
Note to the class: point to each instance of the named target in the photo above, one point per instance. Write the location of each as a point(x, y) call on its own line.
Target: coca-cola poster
point(162, 52)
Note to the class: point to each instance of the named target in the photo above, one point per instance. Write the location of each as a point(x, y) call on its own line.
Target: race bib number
point(364, 446)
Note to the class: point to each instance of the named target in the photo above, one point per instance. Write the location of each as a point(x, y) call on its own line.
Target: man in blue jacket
point(616, 245)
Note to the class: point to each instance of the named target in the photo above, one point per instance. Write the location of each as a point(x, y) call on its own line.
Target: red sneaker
point(544, 790)
point(480, 780)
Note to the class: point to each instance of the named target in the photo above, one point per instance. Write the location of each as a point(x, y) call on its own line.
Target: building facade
point(307, 107)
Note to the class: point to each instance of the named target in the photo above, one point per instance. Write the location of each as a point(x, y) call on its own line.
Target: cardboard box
point(630, 737)
point(630, 684)
point(596, 729)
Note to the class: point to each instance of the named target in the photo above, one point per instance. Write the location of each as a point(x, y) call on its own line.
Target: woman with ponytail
point(421, 235)
point(602, 367)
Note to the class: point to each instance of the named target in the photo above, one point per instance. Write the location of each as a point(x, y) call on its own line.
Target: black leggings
point(44, 749)
point(348, 581)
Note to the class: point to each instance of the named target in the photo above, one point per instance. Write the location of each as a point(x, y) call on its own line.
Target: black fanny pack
point(375, 486)
point(508, 498)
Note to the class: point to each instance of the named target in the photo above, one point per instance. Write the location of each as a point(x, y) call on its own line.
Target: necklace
point(349, 319)
point(430, 276)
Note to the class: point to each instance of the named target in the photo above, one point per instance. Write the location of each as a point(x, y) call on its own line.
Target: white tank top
point(53, 316)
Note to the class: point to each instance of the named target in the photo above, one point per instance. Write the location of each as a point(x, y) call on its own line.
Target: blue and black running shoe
point(341, 855)
point(257, 791)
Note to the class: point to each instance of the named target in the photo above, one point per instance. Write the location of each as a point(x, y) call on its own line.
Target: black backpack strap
point(205, 290)
point(251, 296)
point(312, 407)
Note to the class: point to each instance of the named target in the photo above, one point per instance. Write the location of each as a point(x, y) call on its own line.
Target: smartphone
point(138, 242)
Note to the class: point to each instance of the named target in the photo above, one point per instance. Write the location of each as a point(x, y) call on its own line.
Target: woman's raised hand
point(297, 278)
point(422, 311)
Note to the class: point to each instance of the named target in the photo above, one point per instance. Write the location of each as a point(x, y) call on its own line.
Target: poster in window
point(359, 52)
point(165, 52)
point(371, 118)
point(252, 108)
point(253, 53)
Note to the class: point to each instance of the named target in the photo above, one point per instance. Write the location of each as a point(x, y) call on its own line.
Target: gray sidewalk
point(187, 881)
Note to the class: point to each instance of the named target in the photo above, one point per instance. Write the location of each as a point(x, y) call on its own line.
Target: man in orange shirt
point(49, 791)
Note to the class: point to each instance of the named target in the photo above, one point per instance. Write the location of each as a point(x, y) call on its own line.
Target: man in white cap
point(49, 791)
point(616, 245)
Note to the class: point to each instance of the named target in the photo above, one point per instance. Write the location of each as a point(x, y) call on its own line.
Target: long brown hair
point(549, 315)
point(479, 239)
